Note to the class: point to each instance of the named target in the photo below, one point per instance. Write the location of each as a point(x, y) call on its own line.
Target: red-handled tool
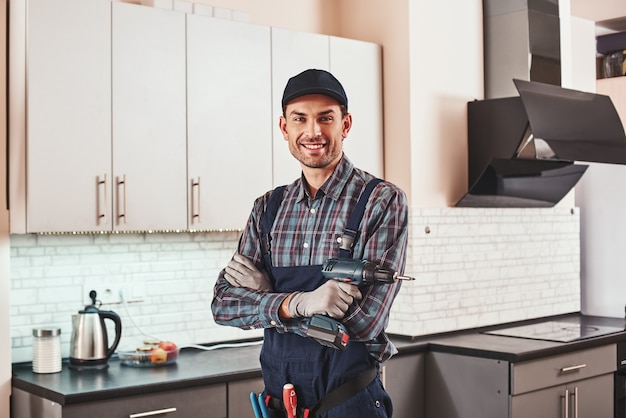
point(290, 400)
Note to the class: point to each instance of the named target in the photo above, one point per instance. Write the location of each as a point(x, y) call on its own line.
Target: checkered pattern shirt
point(306, 232)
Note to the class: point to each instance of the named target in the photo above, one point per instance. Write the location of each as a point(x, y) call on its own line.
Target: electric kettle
point(89, 343)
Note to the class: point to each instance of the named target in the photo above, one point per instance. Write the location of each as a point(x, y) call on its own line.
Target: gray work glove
point(331, 299)
point(241, 272)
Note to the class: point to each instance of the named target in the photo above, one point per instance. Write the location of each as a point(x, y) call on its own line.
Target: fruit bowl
point(150, 355)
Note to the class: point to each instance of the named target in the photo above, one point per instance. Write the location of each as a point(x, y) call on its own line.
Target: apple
point(158, 355)
point(167, 345)
point(170, 348)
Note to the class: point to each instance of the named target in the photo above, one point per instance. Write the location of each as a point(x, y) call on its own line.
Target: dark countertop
point(196, 367)
point(514, 349)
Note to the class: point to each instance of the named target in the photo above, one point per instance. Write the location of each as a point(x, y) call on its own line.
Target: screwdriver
point(358, 272)
point(290, 400)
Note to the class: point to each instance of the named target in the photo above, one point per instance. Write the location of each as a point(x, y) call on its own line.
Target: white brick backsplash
point(475, 267)
point(478, 267)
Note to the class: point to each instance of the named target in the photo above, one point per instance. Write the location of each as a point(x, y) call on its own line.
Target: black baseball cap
point(314, 82)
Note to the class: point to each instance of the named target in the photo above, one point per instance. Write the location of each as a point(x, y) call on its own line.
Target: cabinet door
point(592, 397)
point(239, 405)
point(292, 53)
point(403, 379)
point(229, 122)
point(206, 402)
point(585, 398)
point(68, 115)
point(149, 118)
point(358, 66)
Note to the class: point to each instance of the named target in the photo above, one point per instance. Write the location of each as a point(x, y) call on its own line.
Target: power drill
point(328, 331)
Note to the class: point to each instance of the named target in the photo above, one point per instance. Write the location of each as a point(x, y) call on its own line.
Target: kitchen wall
point(474, 267)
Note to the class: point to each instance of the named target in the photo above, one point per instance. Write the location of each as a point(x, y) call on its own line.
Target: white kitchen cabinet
point(149, 118)
point(138, 118)
point(292, 53)
point(66, 113)
point(229, 100)
point(97, 140)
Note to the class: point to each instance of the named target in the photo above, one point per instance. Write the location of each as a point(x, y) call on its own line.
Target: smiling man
point(275, 282)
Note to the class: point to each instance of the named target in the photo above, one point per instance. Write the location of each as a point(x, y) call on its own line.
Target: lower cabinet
point(229, 400)
point(206, 402)
point(583, 398)
point(239, 405)
point(403, 379)
point(571, 385)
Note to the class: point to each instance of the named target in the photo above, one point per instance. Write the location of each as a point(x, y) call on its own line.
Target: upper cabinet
point(229, 132)
point(144, 119)
point(66, 113)
point(149, 118)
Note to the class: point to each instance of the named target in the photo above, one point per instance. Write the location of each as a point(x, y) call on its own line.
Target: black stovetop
point(558, 330)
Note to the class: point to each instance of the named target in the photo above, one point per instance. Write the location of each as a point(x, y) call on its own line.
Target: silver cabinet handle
point(152, 413)
point(121, 208)
point(566, 402)
point(572, 368)
point(195, 200)
point(575, 394)
point(102, 200)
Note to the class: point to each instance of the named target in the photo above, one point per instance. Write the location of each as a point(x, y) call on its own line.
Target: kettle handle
point(118, 330)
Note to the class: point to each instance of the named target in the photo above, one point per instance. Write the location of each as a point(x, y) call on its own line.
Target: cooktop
point(558, 331)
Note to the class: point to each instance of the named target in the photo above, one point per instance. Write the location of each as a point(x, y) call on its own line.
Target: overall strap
point(268, 220)
point(352, 227)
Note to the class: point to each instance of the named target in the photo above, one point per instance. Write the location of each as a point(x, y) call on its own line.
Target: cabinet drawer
point(557, 370)
point(206, 402)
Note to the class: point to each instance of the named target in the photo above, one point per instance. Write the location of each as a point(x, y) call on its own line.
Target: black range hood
point(521, 150)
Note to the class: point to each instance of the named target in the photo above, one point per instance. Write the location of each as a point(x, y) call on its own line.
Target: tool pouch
point(331, 400)
point(277, 410)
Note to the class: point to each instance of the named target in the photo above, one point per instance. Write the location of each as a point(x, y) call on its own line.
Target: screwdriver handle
point(290, 400)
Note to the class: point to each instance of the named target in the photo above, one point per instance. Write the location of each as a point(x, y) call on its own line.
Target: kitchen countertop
point(516, 349)
point(196, 367)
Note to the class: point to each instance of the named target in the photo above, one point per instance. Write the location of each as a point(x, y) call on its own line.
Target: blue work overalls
point(312, 368)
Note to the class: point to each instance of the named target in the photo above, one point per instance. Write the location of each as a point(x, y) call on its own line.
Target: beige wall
point(374, 21)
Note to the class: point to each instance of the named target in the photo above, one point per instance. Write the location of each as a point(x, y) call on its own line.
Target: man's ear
point(347, 125)
point(282, 124)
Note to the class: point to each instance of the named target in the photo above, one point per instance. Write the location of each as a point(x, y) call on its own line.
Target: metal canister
point(46, 350)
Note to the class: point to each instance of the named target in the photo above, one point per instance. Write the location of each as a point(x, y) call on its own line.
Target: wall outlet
point(106, 295)
point(112, 295)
